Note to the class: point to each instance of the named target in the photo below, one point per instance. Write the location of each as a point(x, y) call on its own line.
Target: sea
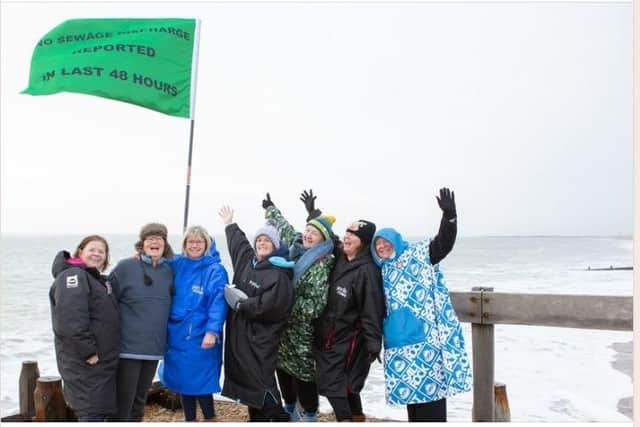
point(551, 374)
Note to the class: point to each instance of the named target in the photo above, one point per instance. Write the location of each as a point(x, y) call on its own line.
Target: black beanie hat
point(364, 230)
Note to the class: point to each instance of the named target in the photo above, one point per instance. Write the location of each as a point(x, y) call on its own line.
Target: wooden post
point(482, 339)
point(49, 400)
point(29, 374)
point(502, 412)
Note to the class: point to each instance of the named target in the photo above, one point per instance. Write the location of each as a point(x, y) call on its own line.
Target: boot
point(358, 418)
point(290, 408)
point(309, 417)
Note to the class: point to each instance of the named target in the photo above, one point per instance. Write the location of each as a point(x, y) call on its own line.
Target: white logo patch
point(197, 289)
point(341, 291)
point(72, 281)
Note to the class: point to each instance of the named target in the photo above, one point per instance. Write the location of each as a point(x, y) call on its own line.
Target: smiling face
point(264, 247)
point(311, 237)
point(153, 246)
point(195, 245)
point(384, 248)
point(352, 245)
point(94, 254)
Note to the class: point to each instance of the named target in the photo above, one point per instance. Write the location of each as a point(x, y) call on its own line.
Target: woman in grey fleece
point(143, 287)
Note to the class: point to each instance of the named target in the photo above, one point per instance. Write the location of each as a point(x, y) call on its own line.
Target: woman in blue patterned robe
point(425, 360)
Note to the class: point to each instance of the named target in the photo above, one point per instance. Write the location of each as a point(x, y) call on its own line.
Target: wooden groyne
point(482, 307)
point(610, 268)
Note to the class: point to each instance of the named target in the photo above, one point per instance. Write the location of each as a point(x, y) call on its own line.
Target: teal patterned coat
point(295, 354)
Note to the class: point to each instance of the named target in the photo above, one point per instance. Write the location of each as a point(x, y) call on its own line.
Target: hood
point(63, 261)
point(391, 235)
point(60, 263)
point(213, 251)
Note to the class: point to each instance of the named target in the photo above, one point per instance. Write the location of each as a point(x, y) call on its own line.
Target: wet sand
point(623, 362)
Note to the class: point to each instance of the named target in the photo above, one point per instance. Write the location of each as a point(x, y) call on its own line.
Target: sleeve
point(173, 261)
point(372, 307)
point(442, 243)
point(217, 305)
point(72, 319)
point(272, 305)
point(115, 283)
point(285, 230)
point(312, 292)
point(240, 249)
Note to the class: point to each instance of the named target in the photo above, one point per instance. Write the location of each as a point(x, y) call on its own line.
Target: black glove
point(309, 201)
point(267, 202)
point(373, 356)
point(447, 202)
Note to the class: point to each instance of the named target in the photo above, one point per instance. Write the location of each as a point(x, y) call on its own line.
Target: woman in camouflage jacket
point(312, 251)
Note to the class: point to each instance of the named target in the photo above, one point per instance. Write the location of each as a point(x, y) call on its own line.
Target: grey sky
point(523, 109)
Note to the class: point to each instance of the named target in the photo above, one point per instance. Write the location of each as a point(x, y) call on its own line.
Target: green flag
point(147, 62)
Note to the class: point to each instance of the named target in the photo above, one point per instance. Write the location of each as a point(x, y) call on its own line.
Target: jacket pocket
point(402, 328)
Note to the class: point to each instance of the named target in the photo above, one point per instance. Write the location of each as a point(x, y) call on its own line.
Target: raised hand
point(226, 215)
point(309, 200)
point(267, 202)
point(447, 202)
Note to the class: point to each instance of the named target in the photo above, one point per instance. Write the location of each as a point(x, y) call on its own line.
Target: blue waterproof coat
point(198, 307)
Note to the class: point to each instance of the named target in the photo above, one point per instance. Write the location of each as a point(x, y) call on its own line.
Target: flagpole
point(186, 198)
point(192, 110)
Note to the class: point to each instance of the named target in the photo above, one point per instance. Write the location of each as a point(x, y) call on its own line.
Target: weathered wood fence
point(481, 307)
point(484, 308)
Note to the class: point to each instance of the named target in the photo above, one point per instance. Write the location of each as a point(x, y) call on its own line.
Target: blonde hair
point(196, 230)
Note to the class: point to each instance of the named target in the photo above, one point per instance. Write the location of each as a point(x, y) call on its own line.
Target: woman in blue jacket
point(193, 359)
point(425, 360)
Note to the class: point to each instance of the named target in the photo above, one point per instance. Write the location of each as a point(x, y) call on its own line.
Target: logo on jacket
point(72, 281)
point(341, 291)
point(197, 289)
point(254, 284)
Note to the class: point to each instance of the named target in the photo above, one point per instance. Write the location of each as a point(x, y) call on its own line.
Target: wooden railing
point(484, 308)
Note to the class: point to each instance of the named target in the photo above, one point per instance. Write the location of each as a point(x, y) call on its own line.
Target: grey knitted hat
point(271, 232)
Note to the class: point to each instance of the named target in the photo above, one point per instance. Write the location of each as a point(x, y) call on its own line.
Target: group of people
point(305, 314)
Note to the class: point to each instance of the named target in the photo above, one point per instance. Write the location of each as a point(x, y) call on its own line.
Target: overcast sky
point(523, 109)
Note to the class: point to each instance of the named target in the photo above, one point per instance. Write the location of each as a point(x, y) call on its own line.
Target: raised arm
point(443, 242)
point(309, 201)
point(239, 246)
point(274, 217)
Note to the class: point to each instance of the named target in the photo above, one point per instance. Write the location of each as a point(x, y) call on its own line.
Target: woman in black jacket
point(84, 316)
point(349, 332)
point(261, 302)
